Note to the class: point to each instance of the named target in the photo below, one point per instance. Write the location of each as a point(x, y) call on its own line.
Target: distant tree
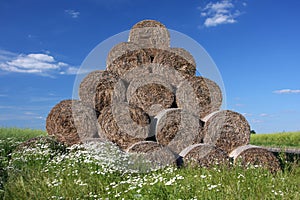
point(252, 132)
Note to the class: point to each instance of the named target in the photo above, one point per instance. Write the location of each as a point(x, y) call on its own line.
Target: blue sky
point(255, 45)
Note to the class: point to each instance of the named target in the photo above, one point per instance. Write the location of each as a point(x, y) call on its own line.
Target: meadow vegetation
point(285, 139)
point(46, 169)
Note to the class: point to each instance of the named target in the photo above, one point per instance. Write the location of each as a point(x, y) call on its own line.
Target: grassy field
point(46, 169)
point(285, 139)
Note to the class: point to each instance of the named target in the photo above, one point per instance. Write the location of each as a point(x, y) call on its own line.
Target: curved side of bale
point(88, 85)
point(85, 121)
point(156, 153)
point(128, 61)
point(67, 129)
point(255, 156)
point(204, 155)
point(150, 34)
point(178, 129)
point(147, 92)
point(144, 147)
point(124, 124)
point(120, 49)
point(105, 92)
point(199, 95)
point(167, 58)
point(227, 130)
point(184, 54)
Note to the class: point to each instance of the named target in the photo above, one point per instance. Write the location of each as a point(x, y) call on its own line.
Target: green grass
point(47, 170)
point(287, 139)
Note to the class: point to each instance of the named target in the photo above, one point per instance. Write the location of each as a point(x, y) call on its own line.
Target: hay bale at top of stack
point(204, 155)
point(150, 34)
point(178, 129)
point(105, 93)
point(199, 95)
point(256, 156)
point(124, 124)
point(88, 85)
point(147, 92)
point(227, 130)
point(71, 121)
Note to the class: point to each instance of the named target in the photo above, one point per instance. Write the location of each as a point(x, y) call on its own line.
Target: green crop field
point(49, 170)
point(277, 139)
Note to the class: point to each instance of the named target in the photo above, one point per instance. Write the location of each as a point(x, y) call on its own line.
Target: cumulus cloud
point(35, 63)
point(221, 12)
point(73, 13)
point(286, 91)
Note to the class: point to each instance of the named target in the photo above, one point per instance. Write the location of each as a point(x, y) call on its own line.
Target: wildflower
point(210, 187)
point(203, 176)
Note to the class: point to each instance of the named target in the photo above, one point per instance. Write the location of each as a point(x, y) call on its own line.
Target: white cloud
point(38, 63)
point(221, 12)
point(263, 115)
point(286, 91)
point(73, 13)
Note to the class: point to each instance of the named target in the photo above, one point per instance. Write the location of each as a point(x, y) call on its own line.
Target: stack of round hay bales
point(149, 101)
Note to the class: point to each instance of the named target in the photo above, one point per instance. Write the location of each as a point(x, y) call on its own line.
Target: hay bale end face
point(149, 96)
point(124, 124)
point(204, 155)
point(105, 93)
point(227, 130)
point(70, 121)
point(88, 85)
point(167, 58)
point(199, 95)
point(128, 61)
point(249, 155)
point(178, 129)
point(120, 49)
point(150, 34)
point(184, 54)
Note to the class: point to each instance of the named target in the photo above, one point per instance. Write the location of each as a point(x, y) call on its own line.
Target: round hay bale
point(127, 61)
point(204, 155)
point(199, 95)
point(70, 121)
point(147, 92)
point(124, 124)
point(156, 153)
point(256, 156)
point(167, 58)
point(150, 34)
point(105, 92)
point(178, 129)
point(184, 54)
point(120, 49)
point(41, 142)
point(144, 147)
point(227, 130)
point(88, 85)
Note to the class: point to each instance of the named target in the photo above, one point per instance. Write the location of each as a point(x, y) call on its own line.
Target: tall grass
point(286, 139)
point(20, 134)
point(47, 170)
